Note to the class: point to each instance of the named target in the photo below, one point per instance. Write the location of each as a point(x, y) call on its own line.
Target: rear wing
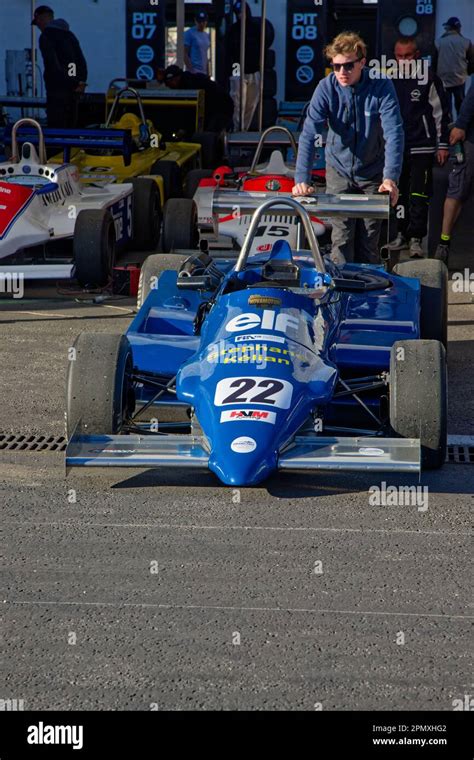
point(279, 137)
point(65, 139)
point(156, 96)
point(348, 206)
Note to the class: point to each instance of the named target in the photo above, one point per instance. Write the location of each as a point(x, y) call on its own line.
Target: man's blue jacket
point(365, 139)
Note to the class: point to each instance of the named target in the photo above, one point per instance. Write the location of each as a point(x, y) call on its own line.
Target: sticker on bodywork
point(243, 445)
point(254, 390)
point(254, 415)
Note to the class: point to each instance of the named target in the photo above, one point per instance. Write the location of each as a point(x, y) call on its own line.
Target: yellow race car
point(166, 163)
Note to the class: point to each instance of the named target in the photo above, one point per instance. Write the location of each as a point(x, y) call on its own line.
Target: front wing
point(190, 451)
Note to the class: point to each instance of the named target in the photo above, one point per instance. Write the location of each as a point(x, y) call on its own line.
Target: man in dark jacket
point(364, 147)
point(424, 107)
point(219, 107)
point(65, 68)
point(461, 176)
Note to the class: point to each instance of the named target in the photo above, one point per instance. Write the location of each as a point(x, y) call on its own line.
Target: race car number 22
point(254, 390)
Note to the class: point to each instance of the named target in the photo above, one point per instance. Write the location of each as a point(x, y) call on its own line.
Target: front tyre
point(94, 247)
point(418, 397)
point(99, 392)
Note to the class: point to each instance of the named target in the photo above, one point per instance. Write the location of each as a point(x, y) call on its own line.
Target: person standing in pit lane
point(425, 111)
point(461, 176)
point(454, 59)
point(196, 46)
point(364, 148)
point(65, 68)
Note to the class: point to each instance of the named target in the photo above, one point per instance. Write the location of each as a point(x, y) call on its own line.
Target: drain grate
point(460, 454)
point(17, 442)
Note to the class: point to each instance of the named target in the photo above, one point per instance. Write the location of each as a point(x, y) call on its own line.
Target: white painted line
point(170, 526)
point(228, 608)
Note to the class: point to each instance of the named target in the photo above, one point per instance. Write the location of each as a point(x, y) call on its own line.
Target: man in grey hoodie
point(65, 68)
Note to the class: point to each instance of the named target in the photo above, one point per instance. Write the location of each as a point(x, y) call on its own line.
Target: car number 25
point(254, 390)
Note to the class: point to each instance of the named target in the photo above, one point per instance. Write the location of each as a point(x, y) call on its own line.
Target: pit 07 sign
point(145, 38)
point(306, 29)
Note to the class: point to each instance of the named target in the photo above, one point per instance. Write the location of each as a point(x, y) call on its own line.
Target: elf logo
point(268, 320)
point(256, 415)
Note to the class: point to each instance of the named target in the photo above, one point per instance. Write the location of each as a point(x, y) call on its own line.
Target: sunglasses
point(346, 66)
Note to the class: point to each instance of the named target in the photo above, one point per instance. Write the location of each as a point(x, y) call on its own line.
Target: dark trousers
point(458, 92)
point(62, 110)
point(353, 239)
point(416, 187)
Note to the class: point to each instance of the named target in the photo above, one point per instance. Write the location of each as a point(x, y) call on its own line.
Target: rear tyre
point(172, 178)
point(99, 391)
point(94, 247)
point(418, 397)
point(147, 214)
point(180, 228)
point(193, 178)
point(211, 148)
point(152, 268)
point(433, 276)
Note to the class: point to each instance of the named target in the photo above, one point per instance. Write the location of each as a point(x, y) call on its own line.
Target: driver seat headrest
point(276, 165)
point(29, 154)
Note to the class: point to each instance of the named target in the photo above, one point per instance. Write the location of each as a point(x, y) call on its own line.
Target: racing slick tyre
point(99, 389)
point(433, 276)
point(180, 229)
point(418, 397)
point(172, 178)
point(150, 272)
point(146, 214)
point(211, 148)
point(94, 247)
point(193, 178)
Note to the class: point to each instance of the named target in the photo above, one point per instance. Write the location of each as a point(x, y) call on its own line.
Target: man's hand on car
point(389, 186)
point(442, 156)
point(302, 188)
point(456, 135)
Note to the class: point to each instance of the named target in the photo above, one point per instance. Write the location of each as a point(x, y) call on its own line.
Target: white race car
point(215, 209)
point(51, 226)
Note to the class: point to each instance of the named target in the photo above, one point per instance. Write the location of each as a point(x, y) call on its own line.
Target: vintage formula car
point(185, 220)
point(51, 226)
point(276, 361)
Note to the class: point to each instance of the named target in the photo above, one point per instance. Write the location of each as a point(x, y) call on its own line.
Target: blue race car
point(277, 361)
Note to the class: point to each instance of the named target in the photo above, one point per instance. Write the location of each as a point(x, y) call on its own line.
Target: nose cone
point(244, 458)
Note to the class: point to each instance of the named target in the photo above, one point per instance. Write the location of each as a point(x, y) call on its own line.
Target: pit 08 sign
point(145, 38)
point(306, 29)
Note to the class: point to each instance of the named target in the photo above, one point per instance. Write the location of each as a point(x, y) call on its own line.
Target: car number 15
point(254, 390)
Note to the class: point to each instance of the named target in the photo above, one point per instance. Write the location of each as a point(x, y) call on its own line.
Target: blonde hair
point(346, 43)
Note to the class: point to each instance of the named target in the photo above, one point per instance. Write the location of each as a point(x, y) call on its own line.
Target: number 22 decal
point(254, 390)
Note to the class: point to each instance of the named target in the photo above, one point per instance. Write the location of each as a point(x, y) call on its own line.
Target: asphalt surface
point(141, 589)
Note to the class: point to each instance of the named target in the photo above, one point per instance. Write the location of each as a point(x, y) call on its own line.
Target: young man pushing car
point(362, 113)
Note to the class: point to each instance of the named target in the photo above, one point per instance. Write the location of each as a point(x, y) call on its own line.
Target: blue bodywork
point(264, 359)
